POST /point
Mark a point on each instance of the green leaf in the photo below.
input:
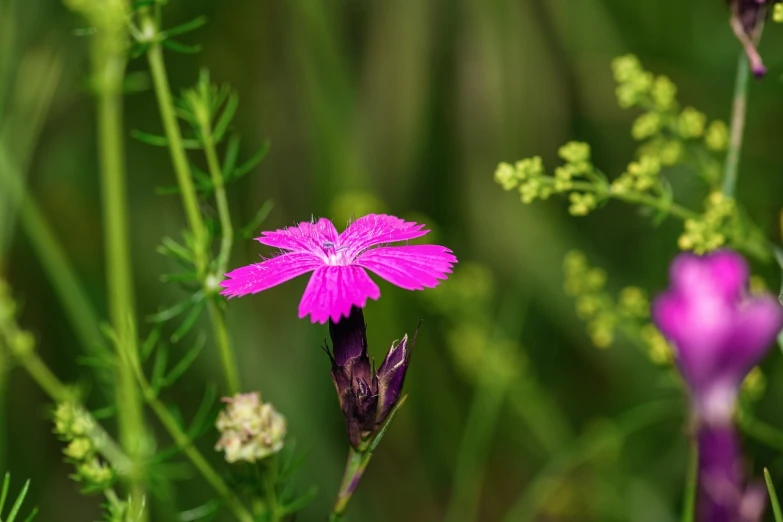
(186, 27)
(231, 155)
(185, 363)
(170, 313)
(300, 503)
(4, 493)
(248, 231)
(169, 246)
(161, 141)
(150, 342)
(188, 323)
(201, 418)
(201, 512)
(226, 117)
(385, 427)
(18, 504)
(32, 515)
(180, 47)
(251, 162)
(159, 369)
(773, 497)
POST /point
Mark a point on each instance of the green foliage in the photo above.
(16, 507)
(670, 137)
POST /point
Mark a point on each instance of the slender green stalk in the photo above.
(190, 201)
(176, 149)
(692, 481)
(109, 61)
(354, 470)
(773, 497)
(634, 197)
(358, 459)
(218, 180)
(216, 314)
(184, 442)
(223, 340)
(738, 112)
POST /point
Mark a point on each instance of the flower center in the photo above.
(335, 256)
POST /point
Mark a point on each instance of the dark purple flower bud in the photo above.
(747, 17)
(391, 376)
(719, 333)
(366, 396)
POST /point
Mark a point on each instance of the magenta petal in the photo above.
(333, 290)
(260, 276)
(410, 267)
(376, 229)
(305, 237)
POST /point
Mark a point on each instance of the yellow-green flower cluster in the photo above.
(634, 84)
(76, 426)
(250, 430)
(527, 176)
(640, 176)
(577, 176)
(663, 128)
(606, 316)
(777, 13)
(709, 231)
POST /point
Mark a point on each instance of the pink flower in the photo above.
(338, 263)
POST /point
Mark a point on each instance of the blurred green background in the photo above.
(403, 106)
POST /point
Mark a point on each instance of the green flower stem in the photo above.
(218, 180)
(738, 112)
(227, 358)
(692, 481)
(176, 149)
(183, 441)
(108, 64)
(358, 459)
(773, 497)
(636, 198)
(354, 470)
(190, 202)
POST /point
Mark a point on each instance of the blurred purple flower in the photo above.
(747, 16)
(719, 333)
(338, 262)
(366, 396)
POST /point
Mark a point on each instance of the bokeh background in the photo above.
(403, 106)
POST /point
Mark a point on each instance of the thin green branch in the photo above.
(190, 201)
(183, 441)
(738, 112)
(108, 63)
(178, 157)
(691, 485)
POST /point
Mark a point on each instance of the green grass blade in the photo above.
(773, 497)
(18, 504)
